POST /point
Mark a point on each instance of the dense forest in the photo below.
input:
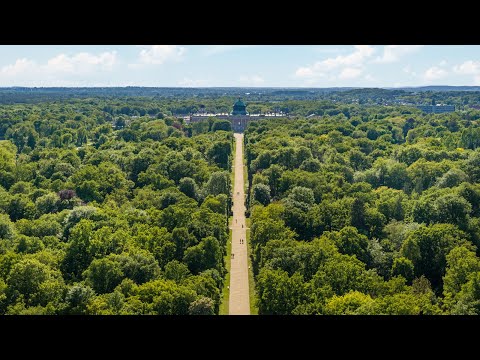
(110, 203)
(103, 215)
(366, 214)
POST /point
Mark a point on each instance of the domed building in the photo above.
(239, 108)
(239, 117)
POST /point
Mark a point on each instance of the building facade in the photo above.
(239, 117)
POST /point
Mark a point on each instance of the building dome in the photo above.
(239, 102)
(239, 108)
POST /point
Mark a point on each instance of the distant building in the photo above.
(436, 109)
(239, 117)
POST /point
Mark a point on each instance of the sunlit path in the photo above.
(239, 303)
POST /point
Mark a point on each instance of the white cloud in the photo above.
(361, 53)
(253, 80)
(159, 54)
(350, 73)
(442, 63)
(345, 63)
(434, 73)
(81, 63)
(78, 64)
(58, 70)
(393, 53)
(20, 66)
(468, 68)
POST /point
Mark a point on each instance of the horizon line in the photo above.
(233, 87)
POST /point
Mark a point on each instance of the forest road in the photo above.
(239, 302)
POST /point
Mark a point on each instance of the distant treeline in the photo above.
(459, 96)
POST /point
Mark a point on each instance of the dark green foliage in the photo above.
(103, 275)
(427, 248)
(349, 241)
(220, 153)
(100, 202)
(116, 205)
(261, 193)
(224, 125)
(206, 255)
(403, 267)
(188, 187)
(391, 191)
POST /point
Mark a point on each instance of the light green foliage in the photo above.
(48, 203)
(472, 166)
(115, 205)
(90, 212)
(217, 204)
(348, 304)
(452, 178)
(462, 263)
(468, 299)
(278, 293)
(176, 271)
(390, 191)
(162, 297)
(202, 306)
(219, 183)
(349, 241)
(35, 282)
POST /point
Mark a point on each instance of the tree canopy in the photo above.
(111, 212)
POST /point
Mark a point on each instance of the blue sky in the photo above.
(240, 65)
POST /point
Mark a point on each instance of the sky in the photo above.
(239, 65)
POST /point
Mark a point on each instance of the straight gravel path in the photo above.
(239, 303)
